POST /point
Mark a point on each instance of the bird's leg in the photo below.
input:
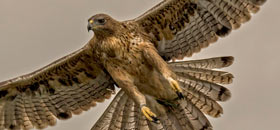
(140, 99)
(154, 59)
(125, 82)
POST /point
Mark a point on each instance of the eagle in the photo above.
(139, 56)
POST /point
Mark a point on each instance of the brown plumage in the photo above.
(134, 55)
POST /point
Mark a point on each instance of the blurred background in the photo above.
(34, 33)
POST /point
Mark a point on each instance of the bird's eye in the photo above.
(90, 21)
(101, 21)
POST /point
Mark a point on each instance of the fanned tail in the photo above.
(124, 114)
(202, 85)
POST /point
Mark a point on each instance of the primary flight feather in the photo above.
(135, 55)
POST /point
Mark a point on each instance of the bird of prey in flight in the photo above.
(138, 56)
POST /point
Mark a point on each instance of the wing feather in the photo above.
(68, 86)
(180, 28)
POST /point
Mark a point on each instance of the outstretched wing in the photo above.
(68, 86)
(180, 28)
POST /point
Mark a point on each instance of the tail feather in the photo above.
(213, 76)
(183, 122)
(200, 83)
(211, 63)
(130, 115)
(116, 121)
(9, 115)
(212, 90)
(187, 112)
(105, 120)
(2, 122)
(169, 122)
(205, 104)
(142, 122)
(184, 116)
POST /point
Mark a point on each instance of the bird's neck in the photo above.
(104, 34)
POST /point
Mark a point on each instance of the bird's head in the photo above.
(102, 24)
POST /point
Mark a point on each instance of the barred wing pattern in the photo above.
(202, 88)
(180, 28)
(68, 86)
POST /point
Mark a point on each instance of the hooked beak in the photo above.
(89, 28)
(90, 25)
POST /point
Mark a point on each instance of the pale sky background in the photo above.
(34, 33)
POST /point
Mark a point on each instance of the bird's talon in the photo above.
(155, 119)
(180, 95)
(167, 104)
(175, 86)
(149, 114)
